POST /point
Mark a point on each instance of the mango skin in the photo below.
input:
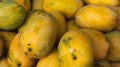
(4, 62)
(71, 25)
(114, 40)
(102, 63)
(92, 16)
(25, 3)
(67, 7)
(38, 36)
(12, 15)
(16, 57)
(75, 50)
(103, 2)
(49, 61)
(99, 42)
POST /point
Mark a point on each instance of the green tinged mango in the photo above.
(12, 15)
(75, 50)
(38, 35)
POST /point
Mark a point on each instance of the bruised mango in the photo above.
(75, 50)
(38, 36)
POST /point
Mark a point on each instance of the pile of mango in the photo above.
(59, 33)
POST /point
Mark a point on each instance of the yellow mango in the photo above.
(99, 42)
(50, 61)
(25, 3)
(67, 7)
(16, 57)
(75, 50)
(97, 17)
(71, 25)
(38, 36)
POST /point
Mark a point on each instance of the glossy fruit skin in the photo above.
(92, 16)
(12, 15)
(39, 34)
(67, 7)
(16, 57)
(49, 61)
(75, 50)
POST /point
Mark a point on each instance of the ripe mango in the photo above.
(75, 50)
(16, 57)
(39, 34)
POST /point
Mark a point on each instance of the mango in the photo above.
(115, 64)
(16, 57)
(98, 17)
(12, 15)
(38, 36)
(75, 50)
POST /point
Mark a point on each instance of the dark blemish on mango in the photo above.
(73, 56)
(67, 40)
(29, 49)
(29, 44)
(26, 53)
(18, 65)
